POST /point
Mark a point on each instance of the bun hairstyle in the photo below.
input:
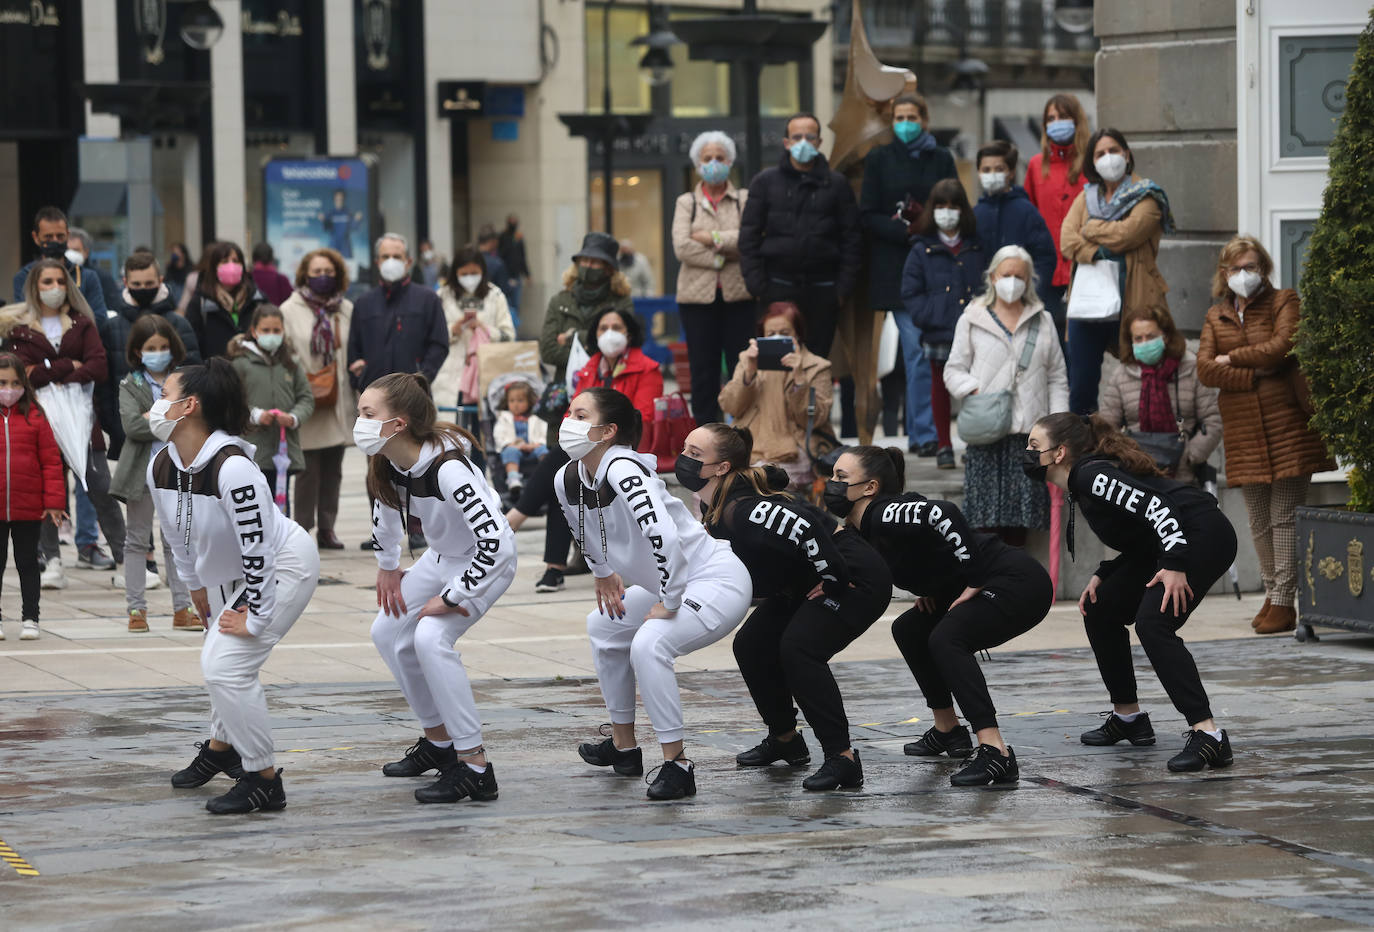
(1094, 436)
(217, 384)
(613, 407)
(407, 395)
(885, 464)
(735, 447)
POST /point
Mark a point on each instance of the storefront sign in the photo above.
(282, 24)
(461, 99)
(33, 13)
(314, 203)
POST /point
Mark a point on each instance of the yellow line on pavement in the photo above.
(21, 867)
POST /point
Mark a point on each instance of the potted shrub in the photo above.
(1335, 347)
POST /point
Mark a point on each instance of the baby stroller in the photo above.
(501, 365)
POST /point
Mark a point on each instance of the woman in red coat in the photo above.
(31, 481)
(619, 363)
(1054, 176)
(54, 334)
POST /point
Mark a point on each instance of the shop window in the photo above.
(637, 209)
(699, 88)
(629, 92)
(780, 90)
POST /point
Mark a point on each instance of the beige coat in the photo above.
(1118, 401)
(697, 277)
(327, 427)
(773, 405)
(493, 316)
(1136, 236)
(983, 359)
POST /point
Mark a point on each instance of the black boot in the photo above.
(1114, 729)
(837, 773)
(955, 743)
(422, 757)
(252, 792)
(987, 766)
(1202, 750)
(672, 782)
(605, 754)
(457, 781)
(770, 750)
(206, 765)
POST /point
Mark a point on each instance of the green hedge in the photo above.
(1336, 337)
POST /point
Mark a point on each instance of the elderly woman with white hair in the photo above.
(716, 309)
(1005, 341)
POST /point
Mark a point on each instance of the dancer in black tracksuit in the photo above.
(974, 592)
(1174, 544)
(820, 590)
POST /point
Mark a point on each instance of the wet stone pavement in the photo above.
(1092, 838)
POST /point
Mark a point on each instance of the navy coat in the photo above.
(1009, 218)
(936, 284)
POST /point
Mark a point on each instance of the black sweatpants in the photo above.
(538, 493)
(1122, 599)
(719, 329)
(784, 648)
(940, 647)
(25, 537)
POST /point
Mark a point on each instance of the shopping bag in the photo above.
(665, 434)
(577, 358)
(1096, 291)
(889, 343)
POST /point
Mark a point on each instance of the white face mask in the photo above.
(612, 343)
(469, 283)
(53, 297)
(367, 434)
(1112, 167)
(269, 342)
(392, 269)
(158, 421)
(993, 182)
(947, 218)
(1009, 288)
(1244, 282)
(75, 256)
(572, 437)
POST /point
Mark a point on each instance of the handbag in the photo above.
(1096, 291)
(665, 434)
(823, 448)
(987, 416)
(553, 403)
(324, 386)
(1165, 447)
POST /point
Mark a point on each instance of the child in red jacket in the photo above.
(31, 486)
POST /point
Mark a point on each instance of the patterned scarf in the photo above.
(322, 339)
(1156, 414)
(1128, 194)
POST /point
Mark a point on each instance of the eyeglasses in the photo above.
(812, 138)
(1252, 267)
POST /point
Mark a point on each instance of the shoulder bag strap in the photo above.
(1027, 351)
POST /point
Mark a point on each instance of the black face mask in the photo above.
(143, 297)
(836, 498)
(688, 472)
(53, 248)
(1035, 470)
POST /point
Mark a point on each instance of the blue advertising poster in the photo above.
(320, 202)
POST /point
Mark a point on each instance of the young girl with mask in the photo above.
(1173, 544)
(154, 350)
(420, 466)
(943, 270)
(251, 571)
(664, 587)
(277, 391)
(33, 489)
(819, 590)
(473, 304)
(975, 593)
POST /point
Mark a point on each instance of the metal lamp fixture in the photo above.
(201, 26)
(1074, 15)
(656, 67)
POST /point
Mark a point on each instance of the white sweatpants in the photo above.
(636, 647)
(422, 652)
(238, 706)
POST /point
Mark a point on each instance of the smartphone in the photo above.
(772, 349)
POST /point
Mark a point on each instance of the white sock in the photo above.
(685, 765)
(1126, 718)
(633, 747)
(1215, 734)
(443, 744)
(476, 768)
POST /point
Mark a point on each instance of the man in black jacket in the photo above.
(398, 326)
(799, 238)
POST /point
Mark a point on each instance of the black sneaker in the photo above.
(206, 765)
(368, 545)
(944, 458)
(459, 781)
(837, 773)
(770, 750)
(551, 581)
(933, 743)
(924, 449)
(421, 758)
(1115, 728)
(251, 793)
(605, 754)
(672, 782)
(987, 766)
(1202, 750)
(91, 557)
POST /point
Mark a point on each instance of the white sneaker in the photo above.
(2, 632)
(30, 632)
(52, 577)
(117, 580)
(151, 580)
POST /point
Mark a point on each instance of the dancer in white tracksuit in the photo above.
(251, 571)
(685, 588)
(420, 467)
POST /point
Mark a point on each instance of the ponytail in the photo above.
(406, 394)
(1093, 435)
(217, 384)
(885, 464)
(735, 446)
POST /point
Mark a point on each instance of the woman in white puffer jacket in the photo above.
(989, 342)
(470, 301)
